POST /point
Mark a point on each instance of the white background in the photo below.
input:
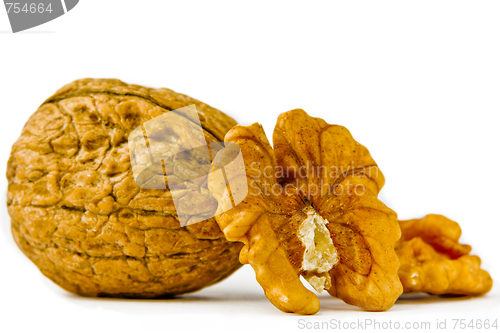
(416, 82)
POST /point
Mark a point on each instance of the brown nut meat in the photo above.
(432, 259)
(311, 210)
(77, 212)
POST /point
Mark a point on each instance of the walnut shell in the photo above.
(77, 212)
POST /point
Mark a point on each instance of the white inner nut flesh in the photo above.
(320, 254)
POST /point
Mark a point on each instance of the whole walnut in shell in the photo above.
(77, 212)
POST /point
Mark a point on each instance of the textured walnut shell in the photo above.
(77, 212)
(432, 259)
(362, 228)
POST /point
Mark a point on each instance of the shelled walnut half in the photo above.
(433, 260)
(311, 211)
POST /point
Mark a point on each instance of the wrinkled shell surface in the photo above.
(77, 212)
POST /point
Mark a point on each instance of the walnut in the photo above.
(77, 212)
(311, 211)
(432, 259)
